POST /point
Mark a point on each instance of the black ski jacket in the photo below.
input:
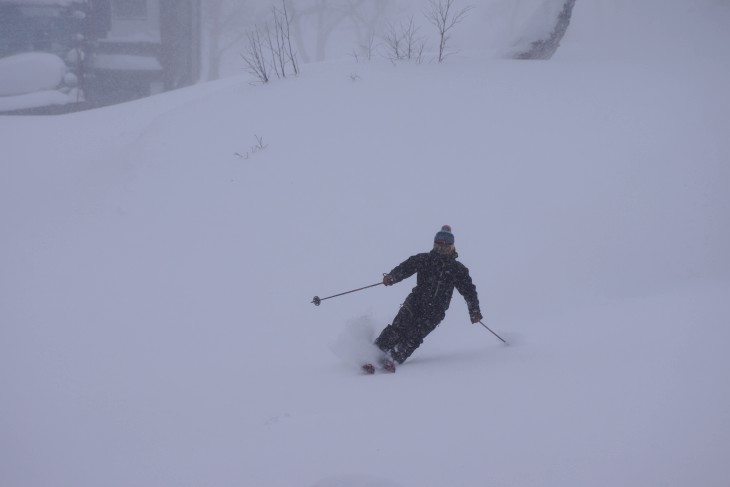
(437, 277)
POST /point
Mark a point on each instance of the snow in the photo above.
(508, 27)
(30, 72)
(34, 100)
(28, 81)
(155, 319)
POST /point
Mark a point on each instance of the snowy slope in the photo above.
(155, 318)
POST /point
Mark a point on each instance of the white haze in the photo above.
(155, 319)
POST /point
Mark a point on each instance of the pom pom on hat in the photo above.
(444, 236)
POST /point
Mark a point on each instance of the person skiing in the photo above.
(438, 273)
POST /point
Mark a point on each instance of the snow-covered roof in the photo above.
(30, 72)
(30, 80)
(34, 100)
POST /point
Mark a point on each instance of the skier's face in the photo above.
(443, 248)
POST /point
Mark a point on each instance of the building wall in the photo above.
(135, 21)
(119, 49)
(150, 46)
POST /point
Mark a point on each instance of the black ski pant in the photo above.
(410, 326)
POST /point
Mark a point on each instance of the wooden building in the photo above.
(116, 50)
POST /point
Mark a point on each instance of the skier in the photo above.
(438, 273)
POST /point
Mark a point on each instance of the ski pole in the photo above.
(485, 326)
(317, 300)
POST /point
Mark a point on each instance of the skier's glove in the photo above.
(388, 280)
(475, 316)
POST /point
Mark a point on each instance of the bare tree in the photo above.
(412, 43)
(254, 56)
(365, 23)
(285, 23)
(367, 50)
(271, 50)
(442, 15)
(324, 16)
(310, 28)
(368, 47)
(280, 46)
(316, 24)
(402, 41)
(278, 60)
(392, 39)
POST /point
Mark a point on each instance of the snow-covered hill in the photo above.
(155, 319)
